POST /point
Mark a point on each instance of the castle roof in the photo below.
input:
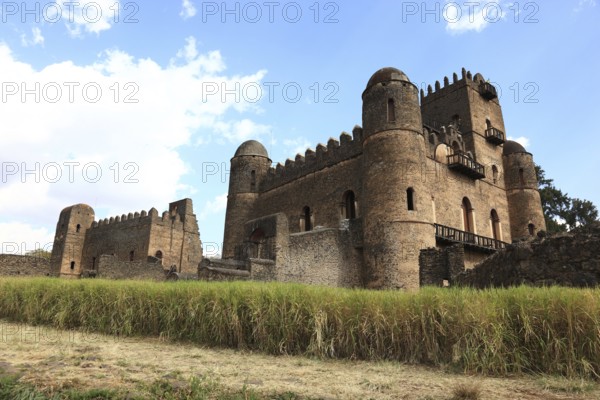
(511, 147)
(387, 74)
(80, 206)
(251, 148)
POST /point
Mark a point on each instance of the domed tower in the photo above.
(73, 223)
(249, 166)
(398, 216)
(524, 202)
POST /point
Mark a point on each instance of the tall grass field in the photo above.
(500, 331)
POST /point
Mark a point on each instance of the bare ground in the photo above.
(51, 359)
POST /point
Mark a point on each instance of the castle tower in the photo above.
(398, 216)
(190, 253)
(471, 104)
(66, 259)
(524, 202)
(249, 166)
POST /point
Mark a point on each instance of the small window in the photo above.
(158, 255)
(253, 180)
(93, 262)
(488, 124)
(467, 210)
(410, 199)
(521, 177)
(306, 216)
(349, 205)
(531, 228)
(495, 224)
(495, 174)
(391, 111)
(78, 228)
(72, 265)
(131, 255)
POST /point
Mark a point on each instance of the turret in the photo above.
(397, 204)
(249, 166)
(524, 202)
(66, 259)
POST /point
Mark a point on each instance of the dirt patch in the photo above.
(52, 359)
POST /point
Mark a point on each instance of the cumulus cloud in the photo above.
(472, 16)
(91, 16)
(215, 206)
(188, 10)
(108, 133)
(36, 38)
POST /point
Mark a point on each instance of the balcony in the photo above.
(460, 162)
(487, 91)
(494, 136)
(445, 234)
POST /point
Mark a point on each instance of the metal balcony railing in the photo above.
(465, 165)
(494, 135)
(471, 240)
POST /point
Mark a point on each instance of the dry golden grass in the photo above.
(53, 359)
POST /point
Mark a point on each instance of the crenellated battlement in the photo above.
(348, 146)
(438, 90)
(138, 218)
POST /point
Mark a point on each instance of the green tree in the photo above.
(561, 212)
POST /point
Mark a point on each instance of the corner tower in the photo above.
(397, 217)
(249, 166)
(524, 202)
(69, 240)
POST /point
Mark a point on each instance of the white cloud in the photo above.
(584, 4)
(296, 146)
(240, 131)
(215, 206)
(188, 10)
(19, 238)
(471, 16)
(36, 38)
(93, 16)
(522, 140)
(118, 154)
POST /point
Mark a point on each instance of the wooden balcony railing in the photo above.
(495, 136)
(487, 91)
(471, 240)
(465, 165)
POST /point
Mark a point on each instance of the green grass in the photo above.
(499, 331)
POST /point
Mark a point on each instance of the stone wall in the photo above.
(438, 267)
(15, 265)
(110, 267)
(571, 259)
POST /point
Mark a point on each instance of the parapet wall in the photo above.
(137, 218)
(571, 259)
(17, 265)
(109, 267)
(324, 156)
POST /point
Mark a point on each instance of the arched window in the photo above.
(410, 199)
(349, 211)
(531, 228)
(495, 174)
(78, 228)
(467, 211)
(257, 242)
(488, 124)
(456, 121)
(306, 217)
(495, 220)
(131, 255)
(521, 177)
(72, 265)
(158, 254)
(252, 180)
(391, 110)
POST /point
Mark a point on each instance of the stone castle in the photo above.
(136, 245)
(426, 170)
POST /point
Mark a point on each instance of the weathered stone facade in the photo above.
(569, 259)
(170, 241)
(423, 171)
(18, 265)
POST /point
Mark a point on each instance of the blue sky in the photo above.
(129, 105)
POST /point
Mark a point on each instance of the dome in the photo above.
(511, 147)
(387, 75)
(251, 148)
(80, 207)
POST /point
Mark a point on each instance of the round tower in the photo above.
(524, 202)
(249, 166)
(398, 216)
(73, 223)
